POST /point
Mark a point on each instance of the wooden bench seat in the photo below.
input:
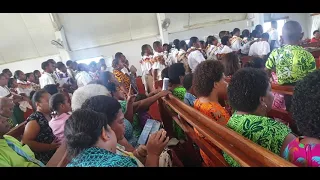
(17, 132)
(244, 151)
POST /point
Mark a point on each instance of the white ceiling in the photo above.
(180, 21)
(25, 35)
(88, 30)
(28, 35)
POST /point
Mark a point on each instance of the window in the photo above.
(267, 26)
(89, 60)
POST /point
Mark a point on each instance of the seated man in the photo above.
(260, 48)
(12, 152)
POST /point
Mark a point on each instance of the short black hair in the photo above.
(265, 36)
(55, 101)
(115, 62)
(314, 32)
(92, 64)
(246, 33)
(176, 43)
(202, 42)
(193, 40)
(109, 106)
(222, 33)
(44, 65)
(60, 65)
(165, 73)
(254, 34)
(37, 96)
(83, 129)
(31, 94)
(28, 75)
(156, 44)
(235, 30)
(36, 71)
(306, 103)
(17, 74)
(69, 63)
(187, 81)
(225, 40)
(118, 55)
(231, 63)
(112, 88)
(10, 82)
(205, 75)
(246, 87)
(6, 70)
(256, 62)
(182, 44)
(144, 48)
(51, 61)
(210, 40)
(165, 44)
(51, 89)
(175, 71)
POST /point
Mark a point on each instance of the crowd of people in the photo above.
(100, 115)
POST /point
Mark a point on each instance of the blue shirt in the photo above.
(189, 99)
(97, 157)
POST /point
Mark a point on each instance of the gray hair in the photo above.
(86, 92)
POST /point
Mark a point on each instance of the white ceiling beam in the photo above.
(163, 33)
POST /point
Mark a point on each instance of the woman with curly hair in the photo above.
(249, 93)
(305, 151)
(209, 83)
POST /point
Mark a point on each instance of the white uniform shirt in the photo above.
(235, 43)
(273, 36)
(46, 79)
(225, 50)
(146, 65)
(26, 91)
(4, 91)
(195, 58)
(83, 78)
(157, 65)
(260, 48)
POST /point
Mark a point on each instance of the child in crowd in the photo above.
(60, 107)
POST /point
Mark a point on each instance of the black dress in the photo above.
(45, 136)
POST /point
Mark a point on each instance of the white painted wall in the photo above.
(201, 33)
(29, 65)
(131, 49)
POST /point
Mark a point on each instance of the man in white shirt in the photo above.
(195, 56)
(260, 48)
(47, 76)
(236, 40)
(274, 37)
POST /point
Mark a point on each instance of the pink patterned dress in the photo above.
(278, 102)
(303, 155)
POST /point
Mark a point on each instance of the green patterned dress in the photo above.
(179, 92)
(291, 62)
(264, 131)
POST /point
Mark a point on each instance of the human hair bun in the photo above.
(80, 140)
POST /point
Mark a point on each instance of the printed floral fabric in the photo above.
(264, 131)
(303, 155)
(291, 62)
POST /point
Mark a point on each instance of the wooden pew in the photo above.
(140, 85)
(244, 151)
(318, 63)
(245, 59)
(311, 44)
(17, 132)
(59, 158)
(281, 89)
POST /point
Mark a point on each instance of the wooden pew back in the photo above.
(244, 151)
(17, 132)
